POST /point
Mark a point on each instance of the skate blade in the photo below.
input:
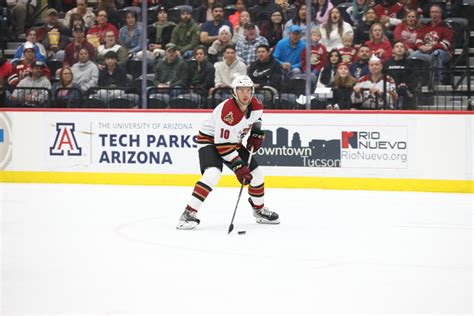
(266, 221)
(186, 225)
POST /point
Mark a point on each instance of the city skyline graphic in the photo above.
(286, 152)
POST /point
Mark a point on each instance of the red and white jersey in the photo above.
(227, 126)
(439, 36)
(371, 101)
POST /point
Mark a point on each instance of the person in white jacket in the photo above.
(86, 73)
(227, 69)
(332, 31)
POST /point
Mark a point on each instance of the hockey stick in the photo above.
(231, 226)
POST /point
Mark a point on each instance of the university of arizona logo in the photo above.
(229, 118)
(65, 141)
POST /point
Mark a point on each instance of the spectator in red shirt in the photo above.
(102, 26)
(318, 55)
(71, 55)
(407, 31)
(379, 45)
(5, 70)
(388, 11)
(434, 42)
(239, 7)
(23, 68)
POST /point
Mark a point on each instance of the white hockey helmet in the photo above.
(242, 81)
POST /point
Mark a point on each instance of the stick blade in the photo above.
(231, 228)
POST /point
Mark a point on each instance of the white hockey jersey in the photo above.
(227, 126)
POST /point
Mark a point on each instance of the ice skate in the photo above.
(264, 215)
(188, 220)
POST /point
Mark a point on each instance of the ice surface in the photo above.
(114, 250)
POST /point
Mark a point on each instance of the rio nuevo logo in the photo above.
(386, 147)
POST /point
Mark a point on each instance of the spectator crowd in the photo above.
(360, 51)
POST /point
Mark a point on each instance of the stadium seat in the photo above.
(122, 14)
(185, 101)
(154, 103)
(229, 10)
(421, 72)
(461, 31)
(134, 67)
(120, 103)
(284, 101)
(295, 85)
(95, 103)
(54, 65)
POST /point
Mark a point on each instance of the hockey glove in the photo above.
(242, 171)
(255, 139)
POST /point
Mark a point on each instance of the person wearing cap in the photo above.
(71, 52)
(247, 47)
(98, 31)
(31, 37)
(81, 9)
(38, 86)
(22, 69)
(158, 37)
(210, 29)
(239, 30)
(172, 72)
(186, 34)
(288, 51)
(376, 90)
(216, 50)
(53, 35)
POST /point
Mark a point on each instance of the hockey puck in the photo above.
(242, 232)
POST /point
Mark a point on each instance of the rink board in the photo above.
(403, 151)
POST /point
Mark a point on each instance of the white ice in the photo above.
(114, 250)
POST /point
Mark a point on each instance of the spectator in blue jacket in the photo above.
(288, 51)
(40, 51)
(131, 34)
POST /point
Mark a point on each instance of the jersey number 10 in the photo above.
(225, 133)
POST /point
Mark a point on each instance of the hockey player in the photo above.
(220, 143)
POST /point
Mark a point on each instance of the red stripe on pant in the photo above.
(258, 191)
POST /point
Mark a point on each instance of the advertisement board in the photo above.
(311, 145)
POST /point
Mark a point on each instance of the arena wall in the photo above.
(403, 151)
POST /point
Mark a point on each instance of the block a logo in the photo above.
(65, 141)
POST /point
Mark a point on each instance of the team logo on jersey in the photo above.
(65, 141)
(229, 118)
